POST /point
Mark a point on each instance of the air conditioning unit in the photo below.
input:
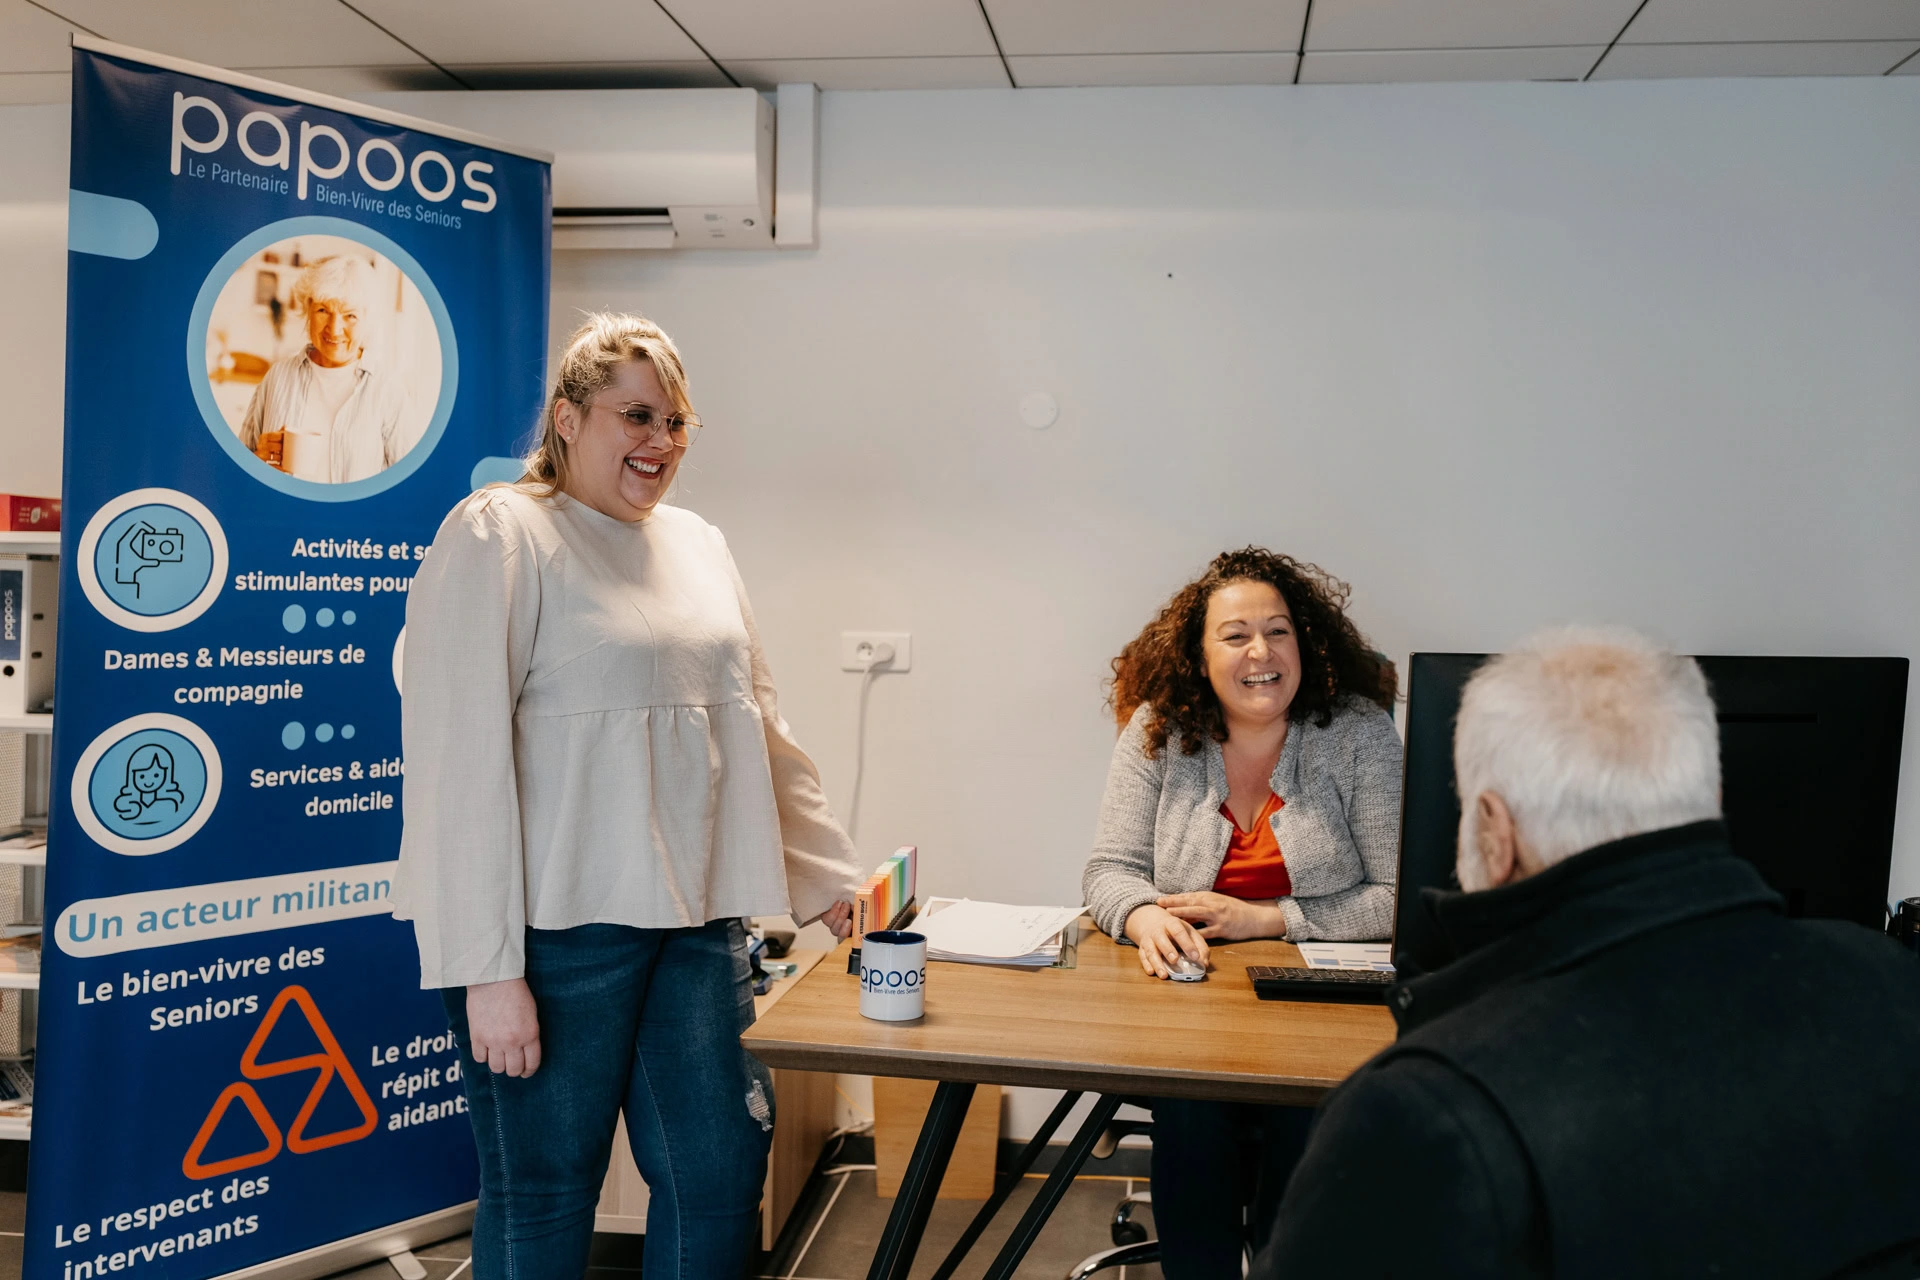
(654, 168)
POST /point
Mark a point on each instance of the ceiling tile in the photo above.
(1797, 58)
(33, 40)
(242, 34)
(1153, 69)
(1147, 26)
(498, 32)
(768, 29)
(1728, 21)
(873, 73)
(1380, 66)
(345, 82)
(701, 74)
(22, 87)
(1464, 24)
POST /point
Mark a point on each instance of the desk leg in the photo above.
(1055, 1187)
(913, 1205)
(1021, 1164)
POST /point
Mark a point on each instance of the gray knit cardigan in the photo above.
(1161, 830)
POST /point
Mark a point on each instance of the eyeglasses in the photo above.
(643, 422)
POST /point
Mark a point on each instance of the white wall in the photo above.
(1499, 355)
(33, 296)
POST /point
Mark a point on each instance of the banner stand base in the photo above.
(369, 1246)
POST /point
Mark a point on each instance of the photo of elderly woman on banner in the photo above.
(324, 359)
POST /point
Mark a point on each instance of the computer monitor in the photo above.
(1810, 774)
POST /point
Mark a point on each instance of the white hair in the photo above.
(1589, 735)
(341, 278)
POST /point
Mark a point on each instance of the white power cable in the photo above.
(880, 657)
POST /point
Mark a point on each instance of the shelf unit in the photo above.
(24, 543)
(29, 542)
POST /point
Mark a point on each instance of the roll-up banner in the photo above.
(298, 332)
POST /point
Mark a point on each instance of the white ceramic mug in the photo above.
(303, 454)
(893, 975)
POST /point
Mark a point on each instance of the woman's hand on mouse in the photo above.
(1163, 938)
(504, 1026)
(1226, 919)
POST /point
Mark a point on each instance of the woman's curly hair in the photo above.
(1164, 665)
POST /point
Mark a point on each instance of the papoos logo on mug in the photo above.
(893, 975)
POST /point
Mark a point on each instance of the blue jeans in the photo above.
(645, 1021)
(1219, 1169)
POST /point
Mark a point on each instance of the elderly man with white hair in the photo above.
(1633, 1064)
(328, 413)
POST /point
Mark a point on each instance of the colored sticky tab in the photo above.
(109, 226)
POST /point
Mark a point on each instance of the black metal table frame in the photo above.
(913, 1205)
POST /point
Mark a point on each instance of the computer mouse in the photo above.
(1185, 970)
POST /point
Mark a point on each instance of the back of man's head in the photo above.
(1585, 736)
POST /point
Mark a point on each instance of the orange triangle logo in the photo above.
(330, 1062)
(269, 1131)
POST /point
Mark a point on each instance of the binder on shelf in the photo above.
(29, 600)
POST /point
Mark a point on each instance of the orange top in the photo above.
(1254, 867)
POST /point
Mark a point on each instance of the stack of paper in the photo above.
(1377, 956)
(993, 932)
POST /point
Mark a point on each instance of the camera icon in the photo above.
(143, 547)
(160, 546)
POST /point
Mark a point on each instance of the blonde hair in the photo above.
(594, 354)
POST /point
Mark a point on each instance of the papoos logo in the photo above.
(430, 172)
(330, 1062)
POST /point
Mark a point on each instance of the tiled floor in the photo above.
(831, 1236)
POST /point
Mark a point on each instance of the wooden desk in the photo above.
(1103, 1026)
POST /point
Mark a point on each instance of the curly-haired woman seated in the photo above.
(1254, 793)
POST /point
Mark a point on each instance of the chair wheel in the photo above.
(1128, 1233)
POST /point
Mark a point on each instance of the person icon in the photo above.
(150, 796)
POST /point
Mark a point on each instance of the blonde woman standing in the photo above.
(599, 785)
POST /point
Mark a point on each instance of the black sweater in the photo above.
(1636, 1066)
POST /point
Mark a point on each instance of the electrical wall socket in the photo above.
(856, 650)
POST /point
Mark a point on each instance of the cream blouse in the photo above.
(591, 736)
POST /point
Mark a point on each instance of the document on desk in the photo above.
(1348, 955)
(993, 932)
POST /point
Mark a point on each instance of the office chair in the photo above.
(1132, 1245)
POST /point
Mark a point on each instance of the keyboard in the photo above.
(1343, 986)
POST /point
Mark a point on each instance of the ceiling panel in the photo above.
(1379, 66)
(1798, 58)
(242, 34)
(32, 39)
(22, 87)
(593, 75)
(1464, 24)
(766, 29)
(1728, 21)
(514, 31)
(1147, 26)
(1053, 70)
(873, 73)
(345, 82)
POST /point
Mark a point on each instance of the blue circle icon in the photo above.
(293, 618)
(347, 617)
(323, 733)
(153, 560)
(293, 735)
(148, 784)
(346, 731)
(324, 617)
